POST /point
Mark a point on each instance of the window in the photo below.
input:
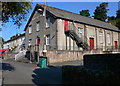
(30, 42)
(47, 22)
(38, 26)
(80, 31)
(100, 37)
(38, 40)
(48, 39)
(30, 29)
(108, 37)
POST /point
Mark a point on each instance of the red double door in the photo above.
(91, 43)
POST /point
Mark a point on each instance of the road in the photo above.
(26, 73)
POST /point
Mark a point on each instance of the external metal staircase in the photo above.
(74, 36)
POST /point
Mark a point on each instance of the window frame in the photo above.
(30, 29)
(100, 37)
(80, 32)
(30, 42)
(38, 26)
(48, 23)
(48, 38)
(108, 38)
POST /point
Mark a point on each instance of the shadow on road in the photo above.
(50, 75)
(7, 66)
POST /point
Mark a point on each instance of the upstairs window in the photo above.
(38, 26)
(100, 37)
(47, 22)
(80, 32)
(48, 39)
(108, 38)
(30, 29)
(30, 42)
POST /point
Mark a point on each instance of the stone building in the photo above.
(67, 31)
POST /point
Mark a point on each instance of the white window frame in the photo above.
(48, 21)
(48, 39)
(80, 32)
(30, 29)
(100, 37)
(38, 26)
(30, 42)
(108, 38)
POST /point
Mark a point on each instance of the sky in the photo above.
(10, 29)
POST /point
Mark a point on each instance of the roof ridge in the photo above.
(72, 13)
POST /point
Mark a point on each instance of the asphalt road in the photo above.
(26, 73)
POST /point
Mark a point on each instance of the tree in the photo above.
(115, 20)
(15, 12)
(85, 13)
(111, 18)
(101, 12)
(118, 24)
(118, 14)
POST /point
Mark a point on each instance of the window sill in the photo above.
(38, 31)
(47, 27)
(48, 44)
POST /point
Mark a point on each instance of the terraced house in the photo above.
(67, 31)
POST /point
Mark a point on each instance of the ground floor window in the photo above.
(48, 39)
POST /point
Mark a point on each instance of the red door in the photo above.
(66, 25)
(91, 43)
(115, 44)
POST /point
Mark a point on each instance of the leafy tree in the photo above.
(101, 12)
(15, 12)
(115, 20)
(85, 13)
(118, 23)
(118, 14)
(111, 18)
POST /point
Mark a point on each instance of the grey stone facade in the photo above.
(58, 40)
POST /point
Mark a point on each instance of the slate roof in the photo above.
(59, 13)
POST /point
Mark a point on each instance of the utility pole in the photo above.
(44, 15)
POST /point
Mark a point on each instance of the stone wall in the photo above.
(102, 61)
(64, 55)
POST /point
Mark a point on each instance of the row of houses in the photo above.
(67, 31)
(14, 42)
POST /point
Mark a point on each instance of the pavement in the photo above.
(27, 73)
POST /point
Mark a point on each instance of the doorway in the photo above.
(91, 43)
(115, 44)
